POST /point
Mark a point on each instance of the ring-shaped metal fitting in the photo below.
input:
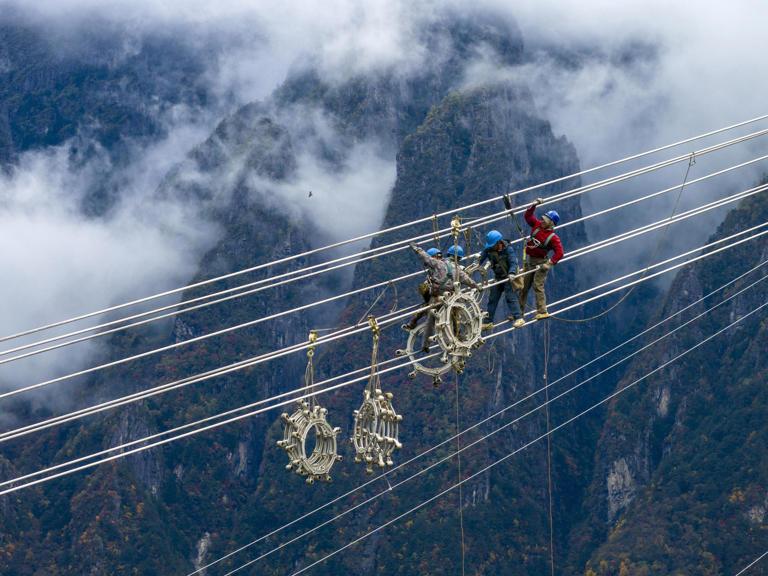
(376, 430)
(440, 366)
(459, 324)
(317, 465)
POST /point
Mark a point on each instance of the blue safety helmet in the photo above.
(458, 250)
(493, 237)
(554, 216)
(434, 252)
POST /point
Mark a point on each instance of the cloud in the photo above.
(345, 202)
(58, 263)
(619, 78)
(615, 77)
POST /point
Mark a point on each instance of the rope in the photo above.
(367, 312)
(549, 450)
(458, 464)
(374, 379)
(309, 373)
(691, 162)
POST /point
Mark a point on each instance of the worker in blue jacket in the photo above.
(503, 261)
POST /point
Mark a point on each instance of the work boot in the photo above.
(542, 316)
(516, 322)
(408, 326)
(487, 326)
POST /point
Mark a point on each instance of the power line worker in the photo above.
(443, 275)
(455, 252)
(425, 291)
(503, 261)
(541, 241)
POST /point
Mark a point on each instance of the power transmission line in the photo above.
(528, 444)
(576, 253)
(493, 432)
(386, 320)
(233, 419)
(427, 219)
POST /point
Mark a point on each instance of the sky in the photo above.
(615, 78)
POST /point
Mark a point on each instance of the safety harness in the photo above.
(500, 260)
(534, 243)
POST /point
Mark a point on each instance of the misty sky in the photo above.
(615, 78)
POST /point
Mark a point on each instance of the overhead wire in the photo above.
(751, 564)
(401, 226)
(647, 330)
(650, 228)
(485, 437)
(624, 296)
(386, 320)
(527, 444)
(578, 252)
(124, 453)
(248, 289)
(302, 346)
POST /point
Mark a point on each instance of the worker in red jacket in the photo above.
(540, 243)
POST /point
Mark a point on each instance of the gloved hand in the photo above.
(475, 286)
(539, 200)
(412, 245)
(546, 266)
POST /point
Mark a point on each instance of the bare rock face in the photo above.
(147, 464)
(201, 550)
(620, 487)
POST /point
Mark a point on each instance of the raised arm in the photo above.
(423, 256)
(532, 221)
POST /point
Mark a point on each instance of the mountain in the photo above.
(679, 484)
(667, 478)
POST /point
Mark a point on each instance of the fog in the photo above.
(614, 78)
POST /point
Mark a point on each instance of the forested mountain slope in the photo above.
(668, 478)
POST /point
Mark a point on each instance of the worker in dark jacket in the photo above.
(443, 274)
(503, 261)
(540, 243)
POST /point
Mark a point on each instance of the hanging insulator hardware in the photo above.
(309, 416)
(377, 424)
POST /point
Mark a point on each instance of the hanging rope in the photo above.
(436, 231)
(492, 355)
(508, 206)
(549, 450)
(458, 460)
(366, 314)
(375, 379)
(468, 238)
(691, 162)
(309, 372)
